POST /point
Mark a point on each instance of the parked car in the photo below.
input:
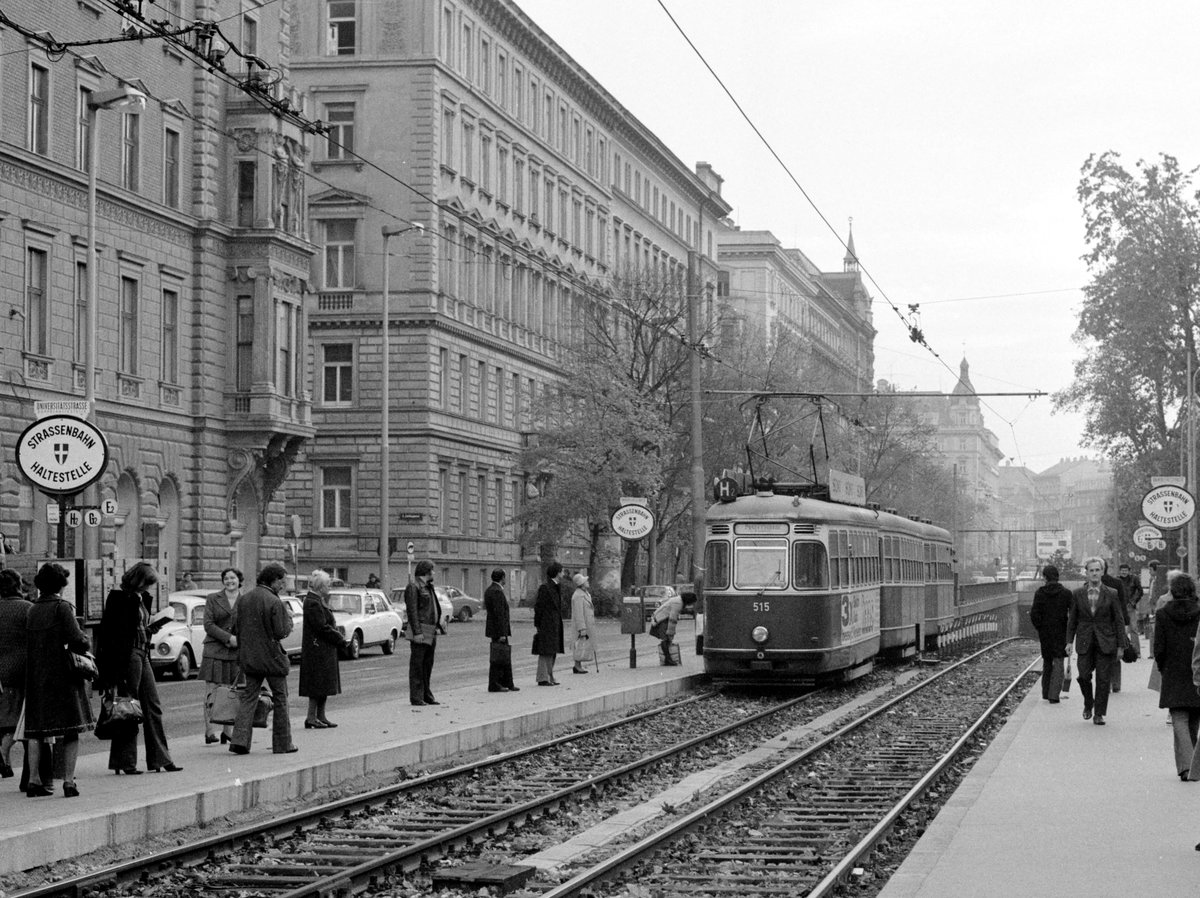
(462, 606)
(445, 608)
(297, 584)
(365, 617)
(178, 646)
(653, 596)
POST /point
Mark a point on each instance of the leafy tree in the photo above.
(1136, 326)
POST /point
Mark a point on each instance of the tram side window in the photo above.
(716, 565)
(760, 564)
(810, 566)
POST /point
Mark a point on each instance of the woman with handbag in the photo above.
(663, 623)
(125, 640)
(319, 648)
(218, 666)
(14, 609)
(583, 620)
(57, 709)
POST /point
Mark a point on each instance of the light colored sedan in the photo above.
(178, 646)
(365, 617)
(462, 606)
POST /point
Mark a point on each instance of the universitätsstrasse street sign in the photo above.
(62, 454)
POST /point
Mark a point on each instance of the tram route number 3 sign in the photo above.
(61, 454)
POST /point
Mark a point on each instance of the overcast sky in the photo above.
(953, 133)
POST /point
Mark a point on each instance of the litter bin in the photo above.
(633, 622)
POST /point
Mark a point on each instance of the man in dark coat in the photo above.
(421, 604)
(498, 630)
(260, 621)
(1123, 599)
(1051, 608)
(1098, 629)
(548, 622)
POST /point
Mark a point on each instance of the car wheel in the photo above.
(355, 646)
(389, 644)
(464, 614)
(183, 666)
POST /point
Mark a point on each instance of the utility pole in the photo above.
(693, 312)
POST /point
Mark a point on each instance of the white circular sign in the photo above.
(62, 454)
(632, 521)
(92, 517)
(74, 517)
(1168, 507)
(1145, 535)
(108, 507)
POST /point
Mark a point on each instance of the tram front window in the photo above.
(810, 567)
(760, 564)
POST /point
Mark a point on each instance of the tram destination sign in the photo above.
(61, 454)
(1168, 507)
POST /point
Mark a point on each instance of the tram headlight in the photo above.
(759, 635)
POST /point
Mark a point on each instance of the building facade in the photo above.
(202, 264)
(534, 189)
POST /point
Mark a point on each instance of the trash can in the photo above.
(633, 615)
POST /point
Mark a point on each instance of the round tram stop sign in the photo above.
(62, 454)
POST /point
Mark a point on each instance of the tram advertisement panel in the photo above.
(860, 615)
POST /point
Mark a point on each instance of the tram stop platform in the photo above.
(375, 738)
(1059, 807)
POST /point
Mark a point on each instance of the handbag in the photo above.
(658, 629)
(262, 710)
(119, 714)
(583, 650)
(223, 704)
(500, 653)
(83, 664)
(1066, 686)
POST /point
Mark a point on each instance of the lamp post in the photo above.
(124, 99)
(385, 460)
(1190, 558)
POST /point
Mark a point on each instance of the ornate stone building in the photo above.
(203, 260)
(533, 188)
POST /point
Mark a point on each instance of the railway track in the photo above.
(357, 845)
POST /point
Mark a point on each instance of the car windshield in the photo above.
(179, 611)
(344, 601)
(656, 592)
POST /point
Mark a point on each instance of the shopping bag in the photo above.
(1066, 687)
(263, 710)
(658, 629)
(223, 704)
(583, 651)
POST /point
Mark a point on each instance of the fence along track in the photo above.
(811, 839)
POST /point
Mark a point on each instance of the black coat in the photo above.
(1051, 607)
(56, 702)
(260, 620)
(1174, 638)
(14, 610)
(548, 620)
(495, 603)
(123, 630)
(319, 673)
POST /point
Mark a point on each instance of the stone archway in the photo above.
(127, 547)
(169, 562)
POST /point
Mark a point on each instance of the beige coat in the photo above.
(583, 622)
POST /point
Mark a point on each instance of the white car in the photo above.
(365, 617)
(178, 646)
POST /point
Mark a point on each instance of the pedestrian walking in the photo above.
(218, 666)
(57, 709)
(1174, 642)
(14, 609)
(548, 641)
(583, 622)
(1097, 628)
(126, 635)
(1122, 601)
(260, 621)
(424, 622)
(320, 645)
(498, 629)
(1049, 614)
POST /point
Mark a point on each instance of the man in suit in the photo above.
(1097, 625)
(498, 630)
(261, 620)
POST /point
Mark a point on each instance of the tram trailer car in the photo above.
(799, 590)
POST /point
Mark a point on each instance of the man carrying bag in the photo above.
(498, 630)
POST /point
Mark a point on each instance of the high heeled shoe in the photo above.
(128, 771)
(37, 791)
(70, 790)
(169, 768)
(313, 725)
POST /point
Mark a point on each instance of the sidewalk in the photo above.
(1059, 807)
(371, 738)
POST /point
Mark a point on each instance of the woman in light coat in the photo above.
(218, 666)
(583, 618)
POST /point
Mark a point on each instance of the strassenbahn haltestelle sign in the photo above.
(62, 454)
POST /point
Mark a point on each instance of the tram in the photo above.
(799, 589)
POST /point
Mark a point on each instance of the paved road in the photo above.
(462, 659)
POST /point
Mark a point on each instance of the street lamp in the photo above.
(133, 101)
(388, 231)
(1190, 557)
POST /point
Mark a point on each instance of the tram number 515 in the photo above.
(760, 606)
